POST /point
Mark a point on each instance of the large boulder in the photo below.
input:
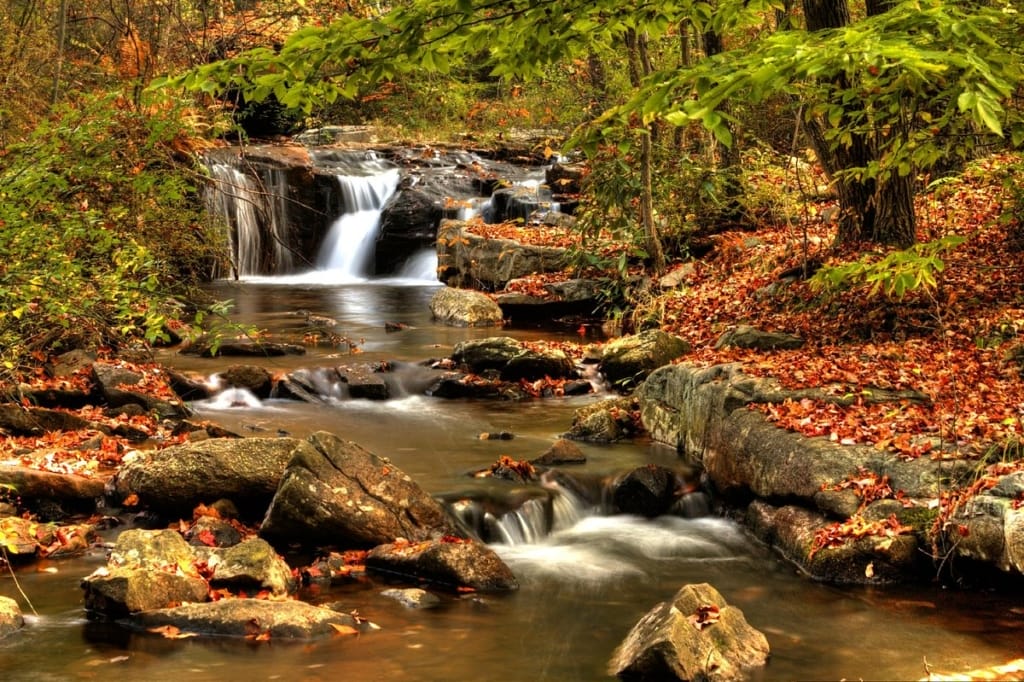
(334, 492)
(450, 562)
(627, 361)
(174, 480)
(695, 636)
(465, 308)
(468, 260)
(408, 223)
(253, 618)
(646, 491)
(511, 359)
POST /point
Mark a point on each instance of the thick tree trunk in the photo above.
(869, 209)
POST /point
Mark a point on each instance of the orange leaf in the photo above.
(344, 629)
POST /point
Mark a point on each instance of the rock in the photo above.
(252, 565)
(872, 559)
(565, 178)
(23, 538)
(413, 598)
(646, 491)
(458, 385)
(364, 381)
(115, 383)
(465, 308)
(606, 421)
(147, 569)
(209, 531)
(468, 260)
(252, 378)
(209, 347)
(174, 480)
(73, 492)
(746, 336)
(334, 492)
(186, 387)
(479, 355)
(408, 224)
(562, 451)
(677, 276)
(278, 619)
(11, 619)
(18, 420)
(695, 636)
(534, 364)
(627, 361)
(451, 562)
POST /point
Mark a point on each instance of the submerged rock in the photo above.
(695, 636)
(254, 618)
(627, 361)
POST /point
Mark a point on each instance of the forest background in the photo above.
(843, 171)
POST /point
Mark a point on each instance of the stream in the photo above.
(583, 585)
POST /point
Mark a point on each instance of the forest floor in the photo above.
(960, 343)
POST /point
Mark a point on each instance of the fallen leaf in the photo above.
(344, 629)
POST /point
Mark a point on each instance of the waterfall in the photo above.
(348, 248)
(235, 199)
(536, 518)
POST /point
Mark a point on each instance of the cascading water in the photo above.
(348, 247)
(235, 198)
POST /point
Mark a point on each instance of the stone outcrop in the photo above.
(465, 308)
(449, 562)
(174, 480)
(336, 493)
(606, 421)
(746, 336)
(468, 260)
(251, 566)
(511, 359)
(705, 413)
(695, 636)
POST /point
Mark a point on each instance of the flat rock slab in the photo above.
(286, 619)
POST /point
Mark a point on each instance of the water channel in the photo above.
(583, 586)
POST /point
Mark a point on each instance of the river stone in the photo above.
(646, 491)
(175, 480)
(451, 562)
(334, 492)
(364, 381)
(18, 420)
(479, 355)
(465, 308)
(606, 421)
(23, 538)
(252, 378)
(533, 364)
(280, 619)
(116, 383)
(1013, 531)
(562, 451)
(209, 531)
(147, 569)
(413, 598)
(11, 619)
(252, 565)
(746, 336)
(625, 362)
(670, 643)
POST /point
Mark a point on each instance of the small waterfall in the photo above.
(348, 247)
(537, 518)
(235, 198)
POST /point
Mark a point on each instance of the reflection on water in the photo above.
(584, 585)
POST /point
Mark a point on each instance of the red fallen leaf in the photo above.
(171, 632)
(206, 537)
(465, 589)
(705, 615)
(344, 629)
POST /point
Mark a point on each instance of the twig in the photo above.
(10, 569)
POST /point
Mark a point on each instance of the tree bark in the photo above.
(879, 210)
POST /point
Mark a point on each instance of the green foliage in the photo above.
(899, 273)
(98, 226)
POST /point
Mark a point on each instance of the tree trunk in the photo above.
(639, 66)
(872, 210)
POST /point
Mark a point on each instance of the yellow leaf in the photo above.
(344, 629)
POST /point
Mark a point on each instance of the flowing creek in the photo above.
(583, 585)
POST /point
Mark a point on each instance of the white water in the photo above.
(348, 247)
(236, 200)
